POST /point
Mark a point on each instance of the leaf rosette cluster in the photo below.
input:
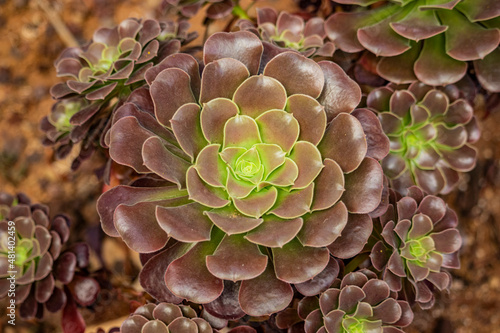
(360, 302)
(431, 132)
(430, 41)
(101, 75)
(271, 168)
(170, 318)
(290, 31)
(45, 275)
(215, 9)
(419, 240)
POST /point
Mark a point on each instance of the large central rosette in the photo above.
(270, 169)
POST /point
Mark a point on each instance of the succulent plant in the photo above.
(170, 318)
(358, 303)
(101, 75)
(216, 9)
(426, 40)
(418, 241)
(430, 131)
(268, 163)
(290, 31)
(31, 250)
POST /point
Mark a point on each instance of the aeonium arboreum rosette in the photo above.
(49, 275)
(171, 318)
(290, 31)
(431, 132)
(431, 41)
(101, 75)
(270, 168)
(418, 240)
(356, 304)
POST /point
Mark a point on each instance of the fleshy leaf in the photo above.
(295, 263)
(236, 259)
(265, 294)
(324, 227)
(186, 223)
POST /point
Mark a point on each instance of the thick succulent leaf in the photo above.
(447, 241)
(479, 10)
(419, 24)
(258, 94)
(388, 311)
(434, 67)
(241, 131)
(257, 203)
(214, 116)
(221, 78)
(200, 192)
(488, 71)
(293, 204)
(186, 223)
(328, 186)
(126, 140)
(324, 227)
(236, 259)
(452, 137)
(431, 181)
(349, 298)
(340, 93)
(344, 134)
(342, 28)
(459, 112)
(138, 227)
(353, 238)
(227, 306)
(320, 282)
(364, 187)
(314, 322)
(310, 115)
(231, 221)
(465, 40)
(377, 141)
(179, 325)
(242, 45)
(271, 157)
(170, 82)
(278, 127)
(127, 195)
(275, 232)
(376, 291)
(163, 162)
(284, 175)
(462, 159)
(210, 166)
(44, 289)
(421, 226)
(399, 69)
(295, 263)
(382, 40)
(153, 272)
(302, 75)
(189, 278)
(308, 160)
(186, 126)
(265, 294)
(182, 61)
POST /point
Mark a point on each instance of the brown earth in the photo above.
(29, 44)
